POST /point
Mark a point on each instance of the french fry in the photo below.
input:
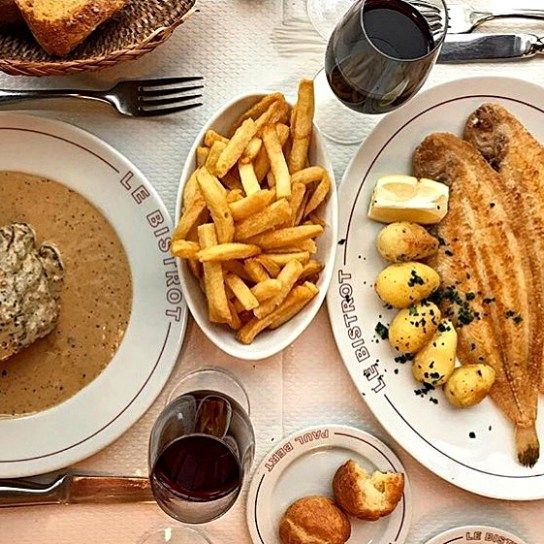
(301, 130)
(218, 307)
(231, 180)
(242, 292)
(308, 175)
(235, 323)
(311, 268)
(216, 201)
(271, 180)
(298, 190)
(262, 163)
(250, 205)
(283, 258)
(317, 220)
(195, 267)
(288, 277)
(255, 270)
(201, 155)
(234, 196)
(211, 137)
(252, 328)
(213, 156)
(277, 161)
(277, 112)
(249, 180)
(269, 265)
(191, 187)
(266, 289)
(227, 251)
(236, 267)
(302, 207)
(305, 245)
(319, 195)
(286, 237)
(259, 107)
(251, 151)
(184, 249)
(277, 213)
(236, 146)
(294, 303)
(190, 216)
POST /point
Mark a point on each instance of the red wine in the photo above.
(198, 468)
(379, 55)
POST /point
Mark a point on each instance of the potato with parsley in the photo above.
(404, 284)
(401, 242)
(435, 363)
(414, 327)
(469, 385)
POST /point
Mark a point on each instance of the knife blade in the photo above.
(75, 489)
(489, 47)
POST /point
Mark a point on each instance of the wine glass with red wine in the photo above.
(378, 57)
(201, 447)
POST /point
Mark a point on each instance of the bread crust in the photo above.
(355, 491)
(314, 520)
(60, 36)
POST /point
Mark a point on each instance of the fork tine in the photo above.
(169, 91)
(162, 82)
(167, 101)
(167, 111)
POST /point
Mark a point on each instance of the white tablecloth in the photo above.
(230, 43)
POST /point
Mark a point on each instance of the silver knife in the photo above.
(75, 489)
(490, 47)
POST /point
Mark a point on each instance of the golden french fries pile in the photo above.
(250, 216)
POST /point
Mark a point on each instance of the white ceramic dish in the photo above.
(304, 464)
(115, 400)
(473, 449)
(267, 343)
(475, 534)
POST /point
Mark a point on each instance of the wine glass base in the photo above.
(174, 535)
(334, 120)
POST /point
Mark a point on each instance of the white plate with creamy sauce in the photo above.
(122, 316)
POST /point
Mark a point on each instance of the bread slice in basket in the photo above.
(61, 25)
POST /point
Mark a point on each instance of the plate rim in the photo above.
(454, 532)
(112, 430)
(254, 485)
(420, 452)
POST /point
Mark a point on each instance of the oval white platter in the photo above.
(475, 534)
(473, 449)
(304, 464)
(119, 396)
(269, 342)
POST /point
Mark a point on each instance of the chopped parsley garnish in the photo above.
(415, 279)
(382, 331)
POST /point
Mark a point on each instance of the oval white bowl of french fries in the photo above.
(257, 224)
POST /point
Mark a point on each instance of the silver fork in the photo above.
(137, 98)
(463, 19)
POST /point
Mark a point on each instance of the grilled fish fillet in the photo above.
(519, 159)
(487, 279)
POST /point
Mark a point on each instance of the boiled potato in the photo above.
(404, 284)
(435, 363)
(469, 385)
(414, 327)
(400, 242)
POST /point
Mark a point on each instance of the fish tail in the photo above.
(527, 445)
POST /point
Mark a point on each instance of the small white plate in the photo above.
(304, 464)
(475, 534)
(119, 396)
(472, 449)
(267, 343)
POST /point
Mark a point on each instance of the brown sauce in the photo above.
(96, 298)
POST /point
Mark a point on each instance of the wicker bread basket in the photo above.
(140, 27)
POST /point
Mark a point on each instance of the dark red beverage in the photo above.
(379, 55)
(197, 468)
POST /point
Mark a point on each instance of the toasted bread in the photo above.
(61, 25)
